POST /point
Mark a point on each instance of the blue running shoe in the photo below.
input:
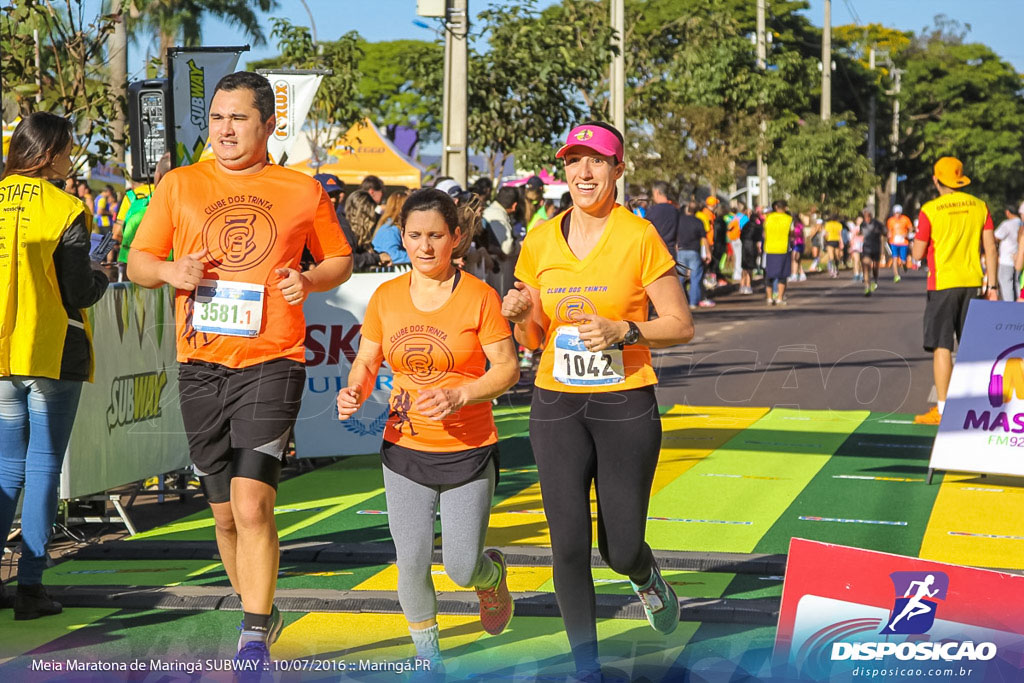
(252, 662)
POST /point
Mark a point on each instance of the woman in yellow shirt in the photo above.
(585, 280)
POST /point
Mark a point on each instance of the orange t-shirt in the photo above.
(609, 282)
(437, 349)
(251, 225)
(899, 227)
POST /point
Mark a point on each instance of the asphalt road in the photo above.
(830, 348)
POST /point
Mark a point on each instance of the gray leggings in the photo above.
(465, 512)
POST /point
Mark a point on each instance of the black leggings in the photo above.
(613, 439)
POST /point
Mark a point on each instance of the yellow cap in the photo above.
(950, 172)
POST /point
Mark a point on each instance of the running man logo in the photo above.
(135, 398)
(917, 596)
(282, 102)
(584, 135)
(197, 94)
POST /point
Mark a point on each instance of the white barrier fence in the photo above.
(129, 425)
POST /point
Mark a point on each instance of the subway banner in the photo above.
(128, 425)
(982, 427)
(857, 615)
(333, 321)
(294, 90)
(193, 74)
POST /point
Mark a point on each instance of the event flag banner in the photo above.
(333, 321)
(294, 90)
(129, 424)
(194, 73)
(849, 614)
(982, 427)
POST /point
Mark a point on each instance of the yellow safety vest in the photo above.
(777, 226)
(33, 323)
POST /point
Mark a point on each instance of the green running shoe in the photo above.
(660, 602)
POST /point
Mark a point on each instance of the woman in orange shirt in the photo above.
(586, 279)
(438, 328)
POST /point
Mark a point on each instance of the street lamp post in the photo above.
(454, 154)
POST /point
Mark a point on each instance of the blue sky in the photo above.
(997, 23)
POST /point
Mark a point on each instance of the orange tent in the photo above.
(363, 151)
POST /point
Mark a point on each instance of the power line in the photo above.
(853, 12)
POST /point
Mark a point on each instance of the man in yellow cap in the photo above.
(949, 230)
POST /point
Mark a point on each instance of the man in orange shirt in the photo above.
(950, 230)
(899, 227)
(238, 226)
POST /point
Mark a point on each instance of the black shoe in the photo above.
(32, 602)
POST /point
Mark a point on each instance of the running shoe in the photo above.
(867, 290)
(802, 277)
(770, 302)
(496, 604)
(660, 602)
(932, 417)
(252, 661)
(782, 301)
(707, 303)
(896, 278)
(874, 286)
(274, 628)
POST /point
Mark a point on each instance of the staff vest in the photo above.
(33, 323)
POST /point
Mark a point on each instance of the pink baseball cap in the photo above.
(597, 138)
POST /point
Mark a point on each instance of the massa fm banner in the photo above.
(982, 427)
(849, 614)
(193, 74)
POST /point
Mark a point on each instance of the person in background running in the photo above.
(778, 231)
(899, 228)
(857, 247)
(736, 225)
(951, 231)
(873, 234)
(238, 226)
(833, 243)
(752, 237)
(586, 282)
(796, 271)
(46, 280)
(387, 240)
(439, 329)
(1008, 235)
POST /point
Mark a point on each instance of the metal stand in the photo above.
(121, 517)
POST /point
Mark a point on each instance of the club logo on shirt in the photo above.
(239, 237)
(574, 309)
(426, 357)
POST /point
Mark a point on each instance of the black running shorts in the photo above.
(239, 421)
(944, 316)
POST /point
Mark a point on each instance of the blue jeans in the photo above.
(36, 417)
(691, 259)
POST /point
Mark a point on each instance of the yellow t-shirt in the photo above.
(952, 226)
(833, 231)
(610, 283)
(130, 196)
(777, 226)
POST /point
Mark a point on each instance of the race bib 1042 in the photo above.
(230, 308)
(576, 366)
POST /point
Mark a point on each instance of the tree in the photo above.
(960, 99)
(336, 106)
(822, 166)
(174, 20)
(72, 72)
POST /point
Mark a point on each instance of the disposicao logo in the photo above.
(918, 596)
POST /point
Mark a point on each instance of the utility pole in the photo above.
(617, 80)
(455, 154)
(762, 65)
(117, 56)
(894, 141)
(826, 64)
(872, 127)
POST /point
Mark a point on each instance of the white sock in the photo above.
(427, 642)
(942, 406)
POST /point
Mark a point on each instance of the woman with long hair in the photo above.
(361, 215)
(46, 279)
(587, 278)
(388, 237)
(443, 336)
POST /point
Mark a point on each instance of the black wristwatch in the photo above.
(632, 334)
